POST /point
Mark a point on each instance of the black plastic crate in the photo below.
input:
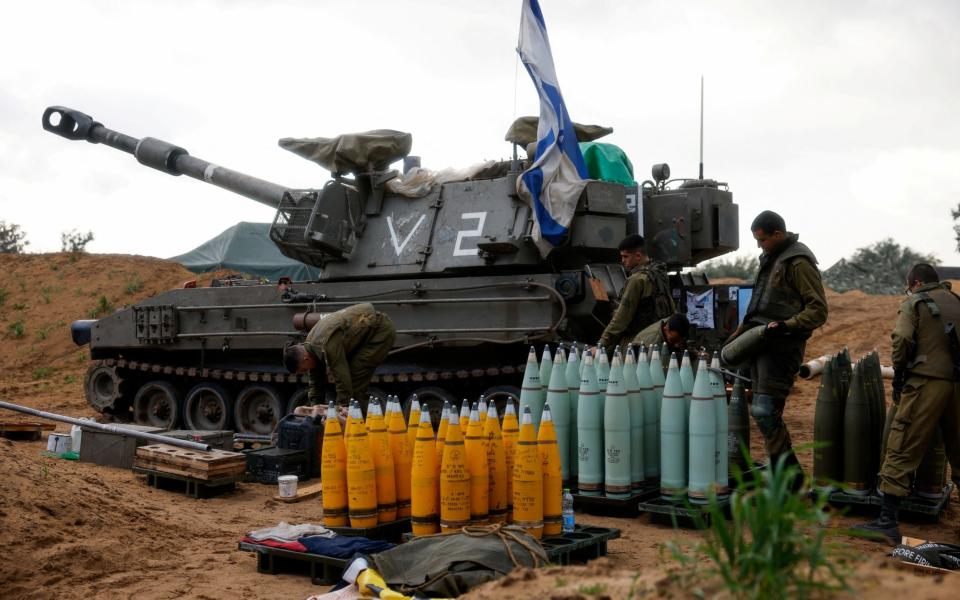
(684, 514)
(267, 464)
(615, 507)
(297, 432)
(323, 570)
(585, 543)
(911, 506)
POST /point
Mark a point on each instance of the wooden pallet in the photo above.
(303, 492)
(214, 464)
(24, 430)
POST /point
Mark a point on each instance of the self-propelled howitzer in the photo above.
(453, 264)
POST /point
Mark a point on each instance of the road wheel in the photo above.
(208, 406)
(157, 404)
(258, 409)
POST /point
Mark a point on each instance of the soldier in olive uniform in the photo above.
(674, 331)
(349, 344)
(645, 297)
(926, 363)
(789, 301)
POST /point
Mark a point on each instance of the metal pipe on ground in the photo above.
(813, 368)
(150, 437)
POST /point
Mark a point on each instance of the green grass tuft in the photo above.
(773, 546)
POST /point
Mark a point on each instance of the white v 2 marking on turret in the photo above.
(398, 247)
(481, 217)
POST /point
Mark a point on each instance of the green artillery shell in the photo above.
(651, 416)
(686, 380)
(635, 396)
(559, 400)
(856, 435)
(546, 368)
(702, 445)
(589, 432)
(828, 428)
(673, 435)
(657, 379)
(531, 392)
(722, 477)
(573, 389)
(616, 434)
(602, 367)
(736, 353)
(738, 419)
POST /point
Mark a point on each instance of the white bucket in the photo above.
(288, 486)
(59, 442)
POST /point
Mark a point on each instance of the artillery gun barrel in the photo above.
(143, 435)
(160, 155)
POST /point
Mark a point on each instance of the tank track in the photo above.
(262, 377)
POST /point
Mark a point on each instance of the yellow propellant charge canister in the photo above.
(479, 471)
(454, 480)
(496, 466)
(511, 433)
(424, 481)
(402, 454)
(383, 463)
(528, 479)
(333, 471)
(442, 432)
(552, 474)
(413, 423)
(361, 475)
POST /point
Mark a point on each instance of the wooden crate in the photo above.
(197, 464)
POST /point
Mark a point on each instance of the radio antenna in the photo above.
(701, 127)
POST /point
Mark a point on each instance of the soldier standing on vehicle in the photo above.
(789, 301)
(674, 331)
(349, 344)
(926, 363)
(645, 297)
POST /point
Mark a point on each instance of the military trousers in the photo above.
(366, 357)
(773, 371)
(925, 404)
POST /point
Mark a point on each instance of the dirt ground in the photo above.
(80, 530)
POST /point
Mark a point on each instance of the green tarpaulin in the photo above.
(607, 162)
(246, 247)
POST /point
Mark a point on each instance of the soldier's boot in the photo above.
(887, 525)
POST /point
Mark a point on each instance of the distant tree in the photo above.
(12, 239)
(74, 241)
(739, 267)
(880, 268)
(956, 227)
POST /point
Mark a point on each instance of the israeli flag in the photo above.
(553, 183)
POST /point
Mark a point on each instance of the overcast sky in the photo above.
(841, 116)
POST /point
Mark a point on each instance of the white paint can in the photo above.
(287, 485)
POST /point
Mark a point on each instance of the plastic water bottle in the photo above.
(568, 522)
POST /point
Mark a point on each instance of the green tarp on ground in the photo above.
(246, 248)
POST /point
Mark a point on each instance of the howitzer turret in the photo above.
(453, 264)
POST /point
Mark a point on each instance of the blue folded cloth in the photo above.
(343, 546)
